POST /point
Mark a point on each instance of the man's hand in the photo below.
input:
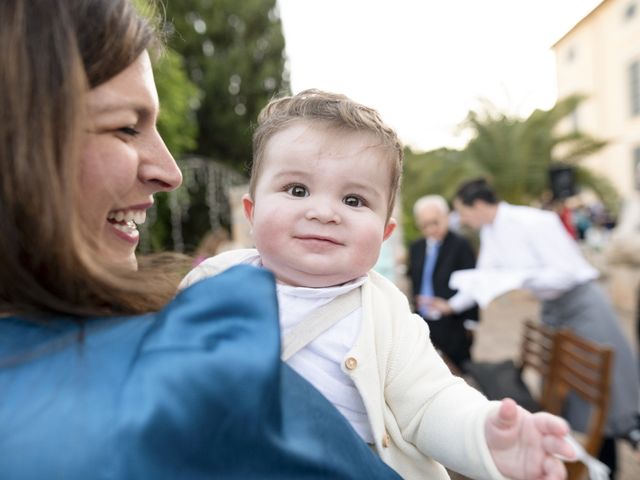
(440, 305)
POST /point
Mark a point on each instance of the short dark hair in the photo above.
(476, 189)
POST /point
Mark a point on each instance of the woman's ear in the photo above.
(247, 206)
(391, 226)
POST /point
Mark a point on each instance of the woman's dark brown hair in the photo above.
(52, 52)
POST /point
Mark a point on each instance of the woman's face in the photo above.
(124, 161)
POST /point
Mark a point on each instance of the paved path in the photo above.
(498, 337)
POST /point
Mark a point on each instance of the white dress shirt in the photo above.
(319, 362)
(527, 248)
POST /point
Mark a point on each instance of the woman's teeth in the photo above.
(127, 220)
(129, 228)
(128, 216)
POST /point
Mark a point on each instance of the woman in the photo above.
(93, 382)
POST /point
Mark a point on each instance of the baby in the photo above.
(324, 181)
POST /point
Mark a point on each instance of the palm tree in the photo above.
(516, 154)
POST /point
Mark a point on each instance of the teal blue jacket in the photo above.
(194, 391)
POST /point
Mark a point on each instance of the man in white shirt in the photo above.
(532, 249)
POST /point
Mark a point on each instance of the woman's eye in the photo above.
(297, 191)
(132, 132)
(353, 201)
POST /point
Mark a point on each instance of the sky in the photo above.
(424, 64)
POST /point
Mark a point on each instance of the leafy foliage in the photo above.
(233, 52)
(515, 154)
(177, 122)
(224, 61)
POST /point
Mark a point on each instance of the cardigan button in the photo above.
(386, 440)
(351, 363)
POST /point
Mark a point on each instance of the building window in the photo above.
(571, 54)
(634, 87)
(636, 167)
(630, 11)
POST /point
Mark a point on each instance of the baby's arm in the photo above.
(438, 413)
(524, 445)
(454, 424)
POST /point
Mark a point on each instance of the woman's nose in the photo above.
(158, 167)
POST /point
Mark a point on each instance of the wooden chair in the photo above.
(584, 368)
(569, 363)
(563, 362)
(536, 353)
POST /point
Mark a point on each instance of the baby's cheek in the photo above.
(268, 236)
(266, 229)
(367, 253)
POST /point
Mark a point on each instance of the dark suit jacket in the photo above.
(455, 253)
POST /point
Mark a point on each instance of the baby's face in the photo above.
(320, 207)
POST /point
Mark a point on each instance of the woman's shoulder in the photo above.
(241, 292)
(225, 326)
(147, 384)
(195, 390)
(208, 361)
(227, 323)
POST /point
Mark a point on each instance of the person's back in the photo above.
(531, 238)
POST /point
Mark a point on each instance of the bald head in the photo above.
(431, 215)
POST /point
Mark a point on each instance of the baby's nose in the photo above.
(323, 212)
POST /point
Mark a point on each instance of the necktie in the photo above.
(427, 274)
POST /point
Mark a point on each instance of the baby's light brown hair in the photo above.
(330, 110)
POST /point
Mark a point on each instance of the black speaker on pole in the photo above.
(563, 181)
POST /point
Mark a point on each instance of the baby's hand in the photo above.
(524, 445)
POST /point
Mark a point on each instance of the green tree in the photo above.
(224, 61)
(515, 154)
(233, 52)
(178, 126)
(178, 95)
(177, 122)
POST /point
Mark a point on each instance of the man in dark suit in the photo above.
(432, 260)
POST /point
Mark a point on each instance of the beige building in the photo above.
(600, 57)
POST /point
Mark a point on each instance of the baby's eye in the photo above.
(353, 201)
(298, 191)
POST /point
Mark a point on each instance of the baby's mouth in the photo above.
(127, 220)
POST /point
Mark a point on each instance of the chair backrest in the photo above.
(536, 351)
(568, 363)
(584, 368)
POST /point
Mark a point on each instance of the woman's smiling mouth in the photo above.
(126, 222)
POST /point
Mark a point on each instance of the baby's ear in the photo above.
(247, 206)
(391, 226)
